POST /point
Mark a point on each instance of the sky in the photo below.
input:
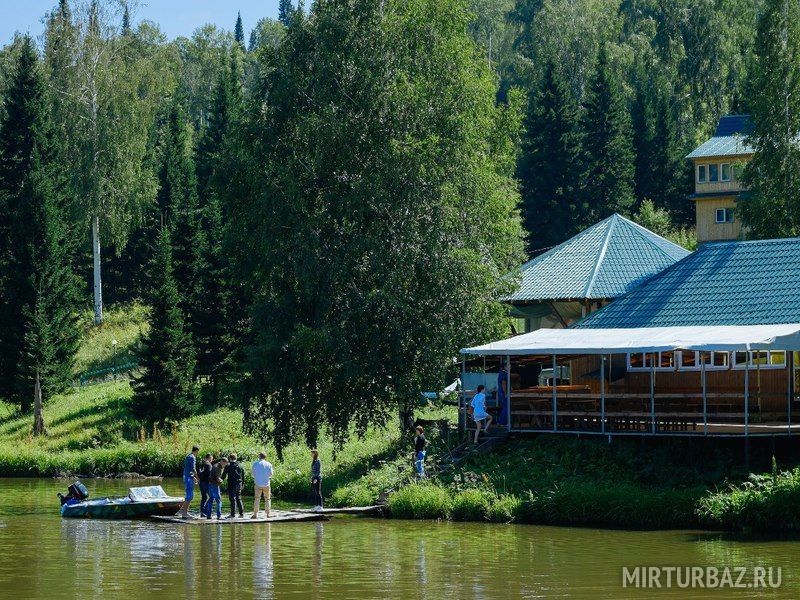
(175, 17)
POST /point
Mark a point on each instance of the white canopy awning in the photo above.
(645, 339)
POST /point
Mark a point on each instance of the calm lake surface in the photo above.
(43, 556)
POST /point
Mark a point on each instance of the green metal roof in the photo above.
(732, 283)
(729, 138)
(604, 261)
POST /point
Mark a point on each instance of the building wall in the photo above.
(771, 384)
(708, 230)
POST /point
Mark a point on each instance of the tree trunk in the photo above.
(98, 289)
(38, 418)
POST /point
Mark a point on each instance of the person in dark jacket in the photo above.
(235, 476)
(203, 473)
(214, 483)
(316, 481)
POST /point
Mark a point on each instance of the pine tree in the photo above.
(773, 174)
(285, 11)
(210, 303)
(550, 164)
(238, 31)
(609, 146)
(37, 284)
(227, 103)
(177, 197)
(166, 389)
(643, 124)
(126, 21)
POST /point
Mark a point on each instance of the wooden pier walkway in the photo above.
(277, 516)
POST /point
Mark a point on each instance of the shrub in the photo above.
(471, 505)
(420, 501)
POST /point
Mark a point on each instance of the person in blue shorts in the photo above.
(189, 480)
(479, 412)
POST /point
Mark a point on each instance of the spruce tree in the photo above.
(210, 303)
(773, 174)
(285, 11)
(37, 284)
(177, 197)
(126, 21)
(165, 389)
(238, 31)
(550, 164)
(609, 172)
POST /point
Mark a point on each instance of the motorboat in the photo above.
(140, 502)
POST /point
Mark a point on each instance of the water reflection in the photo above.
(47, 557)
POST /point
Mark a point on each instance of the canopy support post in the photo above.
(789, 388)
(555, 396)
(747, 395)
(508, 391)
(603, 393)
(653, 392)
(705, 392)
(462, 398)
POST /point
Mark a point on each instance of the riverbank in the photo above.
(629, 483)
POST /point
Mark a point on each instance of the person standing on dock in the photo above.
(262, 473)
(214, 484)
(203, 473)
(189, 479)
(316, 480)
(235, 475)
(419, 452)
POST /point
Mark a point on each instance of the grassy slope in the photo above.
(126, 324)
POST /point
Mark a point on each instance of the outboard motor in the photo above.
(77, 492)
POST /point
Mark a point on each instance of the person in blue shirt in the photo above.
(479, 413)
(189, 480)
(502, 394)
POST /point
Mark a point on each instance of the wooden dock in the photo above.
(346, 510)
(276, 516)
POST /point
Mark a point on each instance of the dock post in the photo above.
(508, 391)
(603, 393)
(555, 396)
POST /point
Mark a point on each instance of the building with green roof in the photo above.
(600, 264)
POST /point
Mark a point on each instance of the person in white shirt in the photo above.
(262, 473)
(479, 412)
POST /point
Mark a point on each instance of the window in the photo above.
(643, 361)
(701, 174)
(764, 359)
(725, 172)
(713, 173)
(690, 361)
(724, 215)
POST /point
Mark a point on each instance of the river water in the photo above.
(43, 556)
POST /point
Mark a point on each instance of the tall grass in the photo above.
(762, 503)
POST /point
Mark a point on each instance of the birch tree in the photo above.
(109, 94)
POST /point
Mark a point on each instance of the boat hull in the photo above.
(121, 508)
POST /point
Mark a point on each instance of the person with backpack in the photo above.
(214, 484)
(234, 473)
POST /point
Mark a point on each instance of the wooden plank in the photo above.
(346, 510)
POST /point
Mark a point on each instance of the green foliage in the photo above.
(774, 102)
(608, 146)
(659, 220)
(550, 161)
(38, 288)
(762, 503)
(421, 501)
(165, 390)
(285, 12)
(127, 324)
(374, 219)
(238, 31)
